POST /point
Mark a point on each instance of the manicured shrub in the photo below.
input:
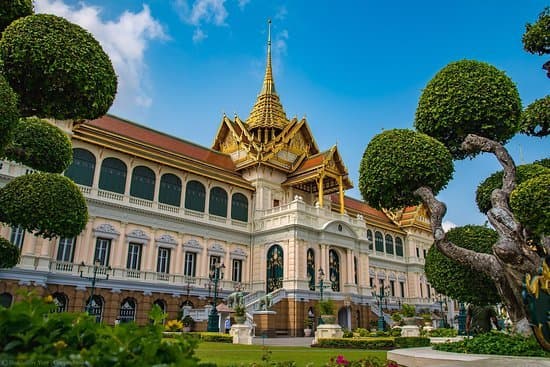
(496, 343)
(12, 10)
(9, 254)
(468, 97)
(459, 281)
(40, 145)
(535, 119)
(412, 342)
(535, 39)
(57, 68)
(45, 203)
(397, 162)
(9, 114)
(366, 343)
(530, 202)
(523, 173)
(443, 333)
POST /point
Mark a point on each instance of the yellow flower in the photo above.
(174, 325)
(60, 344)
(48, 299)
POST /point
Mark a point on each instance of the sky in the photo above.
(352, 68)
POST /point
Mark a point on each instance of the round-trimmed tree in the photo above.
(535, 119)
(536, 39)
(397, 162)
(57, 68)
(48, 204)
(9, 114)
(9, 254)
(459, 281)
(41, 145)
(12, 10)
(523, 173)
(468, 97)
(530, 201)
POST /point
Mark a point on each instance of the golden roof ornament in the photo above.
(268, 111)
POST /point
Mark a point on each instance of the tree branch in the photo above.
(485, 263)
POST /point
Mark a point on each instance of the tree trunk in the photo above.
(512, 257)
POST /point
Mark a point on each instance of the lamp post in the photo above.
(321, 286)
(461, 319)
(383, 293)
(93, 279)
(441, 299)
(215, 276)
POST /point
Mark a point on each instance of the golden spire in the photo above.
(267, 111)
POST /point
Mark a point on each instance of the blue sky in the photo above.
(353, 68)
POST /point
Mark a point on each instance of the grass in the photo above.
(235, 354)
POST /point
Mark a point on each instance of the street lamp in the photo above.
(383, 293)
(441, 299)
(321, 277)
(93, 278)
(215, 275)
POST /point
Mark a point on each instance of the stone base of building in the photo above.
(265, 323)
(242, 334)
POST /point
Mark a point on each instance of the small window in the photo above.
(402, 289)
(134, 256)
(17, 236)
(163, 260)
(6, 300)
(237, 270)
(276, 203)
(369, 239)
(65, 250)
(190, 264)
(379, 241)
(127, 312)
(102, 251)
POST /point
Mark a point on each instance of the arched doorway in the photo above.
(127, 311)
(94, 307)
(344, 318)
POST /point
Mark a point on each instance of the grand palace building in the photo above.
(264, 204)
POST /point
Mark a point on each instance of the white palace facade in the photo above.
(265, 201)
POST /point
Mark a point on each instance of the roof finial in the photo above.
(268, 86)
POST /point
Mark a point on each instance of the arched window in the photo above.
(334, 270)
(195, 196)
(94, 307)
(398, 246)
(311, 269)
(113, 175)
(170, 190)
(127, 312)
(369, 239)
(218, 202)
(239, 207)
(161, 303)
(61, 302)
(82, 168)
(378, 242)
(6, 299)
(143, 183)
(274, 268)
(389, 244)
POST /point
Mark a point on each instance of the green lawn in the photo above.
(234, 354)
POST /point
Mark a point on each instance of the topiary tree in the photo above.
(470, 107)
(530, 202)
(482, 99)
(12, 10)
(387, 180)
(9, 254)
(38, 144)
(536, 39)
(49, 68)
(456, 280)
(535, 119)
(57, 68)
(485, 189)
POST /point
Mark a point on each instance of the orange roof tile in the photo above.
(310, 162)
(158, 139)
(361, 207)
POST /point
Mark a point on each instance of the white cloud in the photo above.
(199, 35)
(281, 13)
(124, 40)
(448, 225)
(243, 3)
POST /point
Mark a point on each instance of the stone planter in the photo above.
(328, 319)
(410, 321)
(307, 332)
(240, 319)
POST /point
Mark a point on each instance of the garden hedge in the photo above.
(374, 343)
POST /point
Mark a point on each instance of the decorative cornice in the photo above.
(106, 230)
